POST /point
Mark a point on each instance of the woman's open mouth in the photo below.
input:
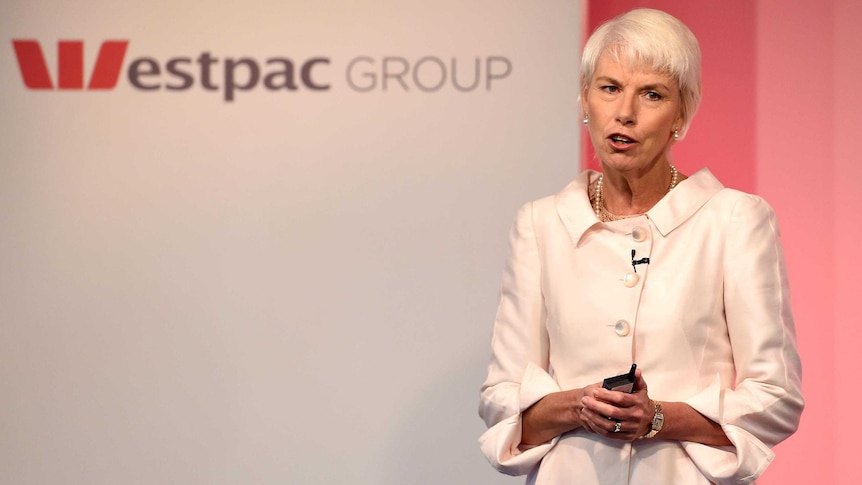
(619, 141)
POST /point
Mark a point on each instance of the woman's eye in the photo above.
(610, 89)
(653, 96)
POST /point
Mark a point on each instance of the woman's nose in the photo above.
(626, 110)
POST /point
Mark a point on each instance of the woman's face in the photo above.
(632, 115)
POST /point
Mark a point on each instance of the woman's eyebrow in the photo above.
(656, 86)
(607, 79)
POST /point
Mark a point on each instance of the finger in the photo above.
(640, 382)
(604, 409)
(600, 423)
(587, 422)
(607, 427)
(615, 398)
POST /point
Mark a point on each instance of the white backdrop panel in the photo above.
(295, 286)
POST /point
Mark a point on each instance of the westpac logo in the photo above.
(149, 74)
(230, 76)
(70, 64)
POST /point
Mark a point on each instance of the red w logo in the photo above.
(70, 64)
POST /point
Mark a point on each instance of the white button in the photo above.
(631, 279)
(622, 328)
(639, 234)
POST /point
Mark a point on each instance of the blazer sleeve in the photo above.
(518, 371)
(764, 406)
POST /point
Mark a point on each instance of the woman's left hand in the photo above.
(618, 415)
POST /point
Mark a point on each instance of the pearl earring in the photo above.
(676, 133)
(586, 120)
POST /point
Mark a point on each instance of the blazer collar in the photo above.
(577, 215)
(683, 201)
(573, 206)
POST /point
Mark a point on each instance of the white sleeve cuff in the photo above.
(500, 442)
(500, 446)
(738, 464)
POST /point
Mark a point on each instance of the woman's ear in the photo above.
(679, 121)
(678, 124)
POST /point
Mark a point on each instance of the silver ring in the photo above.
(617, 427)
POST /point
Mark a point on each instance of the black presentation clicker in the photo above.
(622, 382)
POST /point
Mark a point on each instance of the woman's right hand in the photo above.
(553, 415)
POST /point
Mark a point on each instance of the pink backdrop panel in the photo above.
(796, 172)
(848, 173)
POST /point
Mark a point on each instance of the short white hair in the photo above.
(655, 38)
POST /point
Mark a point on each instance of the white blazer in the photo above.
(707, 320)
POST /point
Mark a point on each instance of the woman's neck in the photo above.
(626, 193)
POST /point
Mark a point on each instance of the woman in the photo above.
(642, 264)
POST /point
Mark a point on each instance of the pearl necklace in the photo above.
(599, 202)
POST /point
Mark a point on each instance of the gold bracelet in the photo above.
(657, 421)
